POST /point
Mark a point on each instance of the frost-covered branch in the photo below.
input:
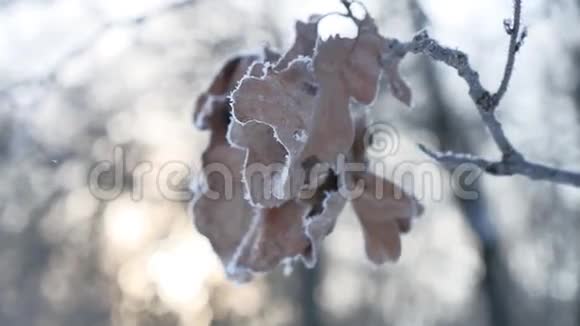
(512, 28)
(508, 167)
(512, 162)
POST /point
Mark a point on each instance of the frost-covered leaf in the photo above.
(327, 204)
(398, 86)
(304, 42)
(224, 221)
(307, 104)
(277, 234)
(292, 231)
(214, 100)
(383, 210)
(356, 62)
(263, 165)
(279, 127)
(285, 100)
(221, 212)
(220, 209)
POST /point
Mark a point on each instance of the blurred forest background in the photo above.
(78, 78)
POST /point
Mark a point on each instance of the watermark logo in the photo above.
(178, 181)
(108, 179)
(381, 140)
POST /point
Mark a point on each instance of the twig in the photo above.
(423, 44)
(50, 77)
(521, 167)
(512, 161)
(514, 32)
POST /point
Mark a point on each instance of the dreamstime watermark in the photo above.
(109, 179)
(179, 181)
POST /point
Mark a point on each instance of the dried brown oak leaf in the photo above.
(221, 211)
(223, 218)
(384, 211)
(307, 103)
(213, 103)
(304, 42)
(397, 84)
(292, 231)
(262, 165)
(284, 101)
(287, 119)
(277, 233)
(327, 203)
(265, 151)
(250, 239)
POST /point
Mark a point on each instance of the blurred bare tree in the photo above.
(81, 78)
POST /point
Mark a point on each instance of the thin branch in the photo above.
(423, 44)
(512, 161)
(514, 32)
(49, 78)
(521, 167)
